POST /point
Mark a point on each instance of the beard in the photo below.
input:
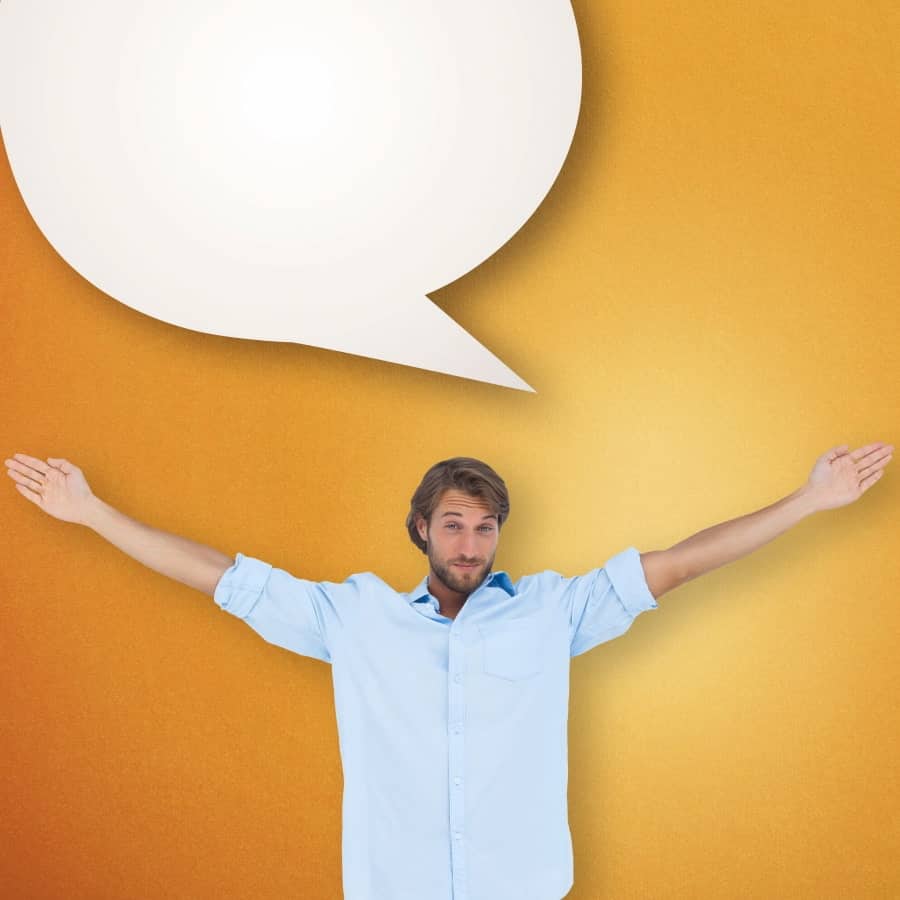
(463, 581)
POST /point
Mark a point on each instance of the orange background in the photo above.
(706, 301)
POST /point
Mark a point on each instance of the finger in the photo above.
(866, 483)
(871, 463)
(62, 464)
(38, 464)
(835, 452)
(857, 455)
(13, 465)
(26, 480)
(31, 495)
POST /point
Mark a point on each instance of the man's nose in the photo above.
(469, 547)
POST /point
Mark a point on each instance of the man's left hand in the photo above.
(840, 476)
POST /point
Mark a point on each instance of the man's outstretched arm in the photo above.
(838, 477)
(60, 489)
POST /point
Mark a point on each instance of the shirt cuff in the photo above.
(241, 586)
(629, 582)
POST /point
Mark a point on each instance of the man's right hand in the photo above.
(57, 486)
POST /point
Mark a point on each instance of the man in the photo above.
(452, 699)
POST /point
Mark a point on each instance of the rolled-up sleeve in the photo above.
(603, 603)
(289, 612)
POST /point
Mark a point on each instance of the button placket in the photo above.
(456, 756)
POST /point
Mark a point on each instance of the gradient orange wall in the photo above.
(707, 301)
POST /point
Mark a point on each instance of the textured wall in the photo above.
(706, 302)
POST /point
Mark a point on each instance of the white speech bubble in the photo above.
(290, 171)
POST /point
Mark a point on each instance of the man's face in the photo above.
(462, 540)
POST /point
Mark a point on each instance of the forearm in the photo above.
(193, 564)
(728, 541)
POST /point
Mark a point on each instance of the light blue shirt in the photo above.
(452, 732)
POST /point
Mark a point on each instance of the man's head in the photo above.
(455, 518)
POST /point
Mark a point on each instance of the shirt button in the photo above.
(457, 729)
(457, 678)
(458, 836)
(457, 781)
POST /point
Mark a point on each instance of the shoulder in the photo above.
(545, 580)
(359, 584)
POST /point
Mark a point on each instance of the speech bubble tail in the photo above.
(417, 333)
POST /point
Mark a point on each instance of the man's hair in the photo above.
(463, 473)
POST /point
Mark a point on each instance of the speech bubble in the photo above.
(290, 171)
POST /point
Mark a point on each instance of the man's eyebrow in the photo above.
(451, 512)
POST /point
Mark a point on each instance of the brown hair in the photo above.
(473, 477)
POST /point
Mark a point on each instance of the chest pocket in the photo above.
(512, 650)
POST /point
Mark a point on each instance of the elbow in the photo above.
(664, 570)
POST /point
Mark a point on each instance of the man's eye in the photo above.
(486, 528)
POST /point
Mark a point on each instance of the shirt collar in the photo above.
(495, 579)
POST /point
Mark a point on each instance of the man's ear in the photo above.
(422, 528)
